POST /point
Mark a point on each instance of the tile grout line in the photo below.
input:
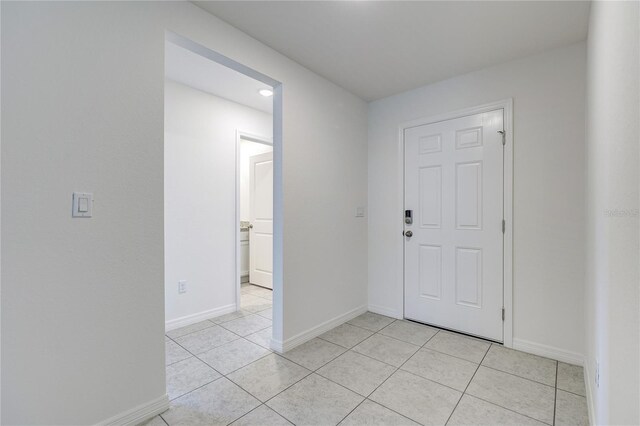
(247, 413)
(349, 413)
(369, 330)
(572, 393)
(262, 404)
(219, 324)
(508, 409)
(464, 392)
(520, 377)
(505, 408)
(191, 332)
(257, 331)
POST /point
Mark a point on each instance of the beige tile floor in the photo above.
(373, 370)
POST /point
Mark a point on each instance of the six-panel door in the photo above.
(453, 261)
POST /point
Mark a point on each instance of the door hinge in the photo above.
(504, 226)
(502, 314)
(504, 137)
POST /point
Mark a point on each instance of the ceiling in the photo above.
(378, 48)
(189, 68)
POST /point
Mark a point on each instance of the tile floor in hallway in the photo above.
(373, 370)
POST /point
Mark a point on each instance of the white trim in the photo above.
(546, 351)
(140, 413)
(240, 136)
(507, 106)
(587, 384)
(309, 334)
(382, 310)
(200, 316)
(219, 58)
(507, 330)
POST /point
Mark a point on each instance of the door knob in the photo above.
(408, 234)
(250, 226)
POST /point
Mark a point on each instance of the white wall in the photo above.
(247, 150)
(82, 110)
(200, 199)
(548, 94)
(613, 253)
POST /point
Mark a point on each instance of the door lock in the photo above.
(408, 234)
(408, 217)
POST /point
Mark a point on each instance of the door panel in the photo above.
(430, 272)
(261, 208)
(469, 195)
(431, 197)
(453, 261)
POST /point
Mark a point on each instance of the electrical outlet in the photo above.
(182, 286)
(597, 375)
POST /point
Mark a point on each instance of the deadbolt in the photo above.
(408, 234)
(408, 217)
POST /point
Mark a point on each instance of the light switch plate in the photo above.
(82, 204)
(359, 211)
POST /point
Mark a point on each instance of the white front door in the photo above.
(453, 261)
(261, 211)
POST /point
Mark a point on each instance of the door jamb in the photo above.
(507, 211)
(240, 136)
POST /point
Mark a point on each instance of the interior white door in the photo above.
(453, 256)
(261, 212)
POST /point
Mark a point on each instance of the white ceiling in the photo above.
(189, 68)
(378, 48)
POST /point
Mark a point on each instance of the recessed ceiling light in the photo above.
(266, 92)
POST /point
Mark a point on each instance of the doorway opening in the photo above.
(255, 216)
(223, 197)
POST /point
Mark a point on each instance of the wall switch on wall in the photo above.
(597, 375)
(182, 286)
(359, 211)
(82, 204)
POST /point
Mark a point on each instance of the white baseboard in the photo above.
(139, 414)
(305, 336)
(386, 311)
(548, 352)
(200, 316)
(587, 384)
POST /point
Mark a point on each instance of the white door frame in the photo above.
(243, 136)
(507, 105)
